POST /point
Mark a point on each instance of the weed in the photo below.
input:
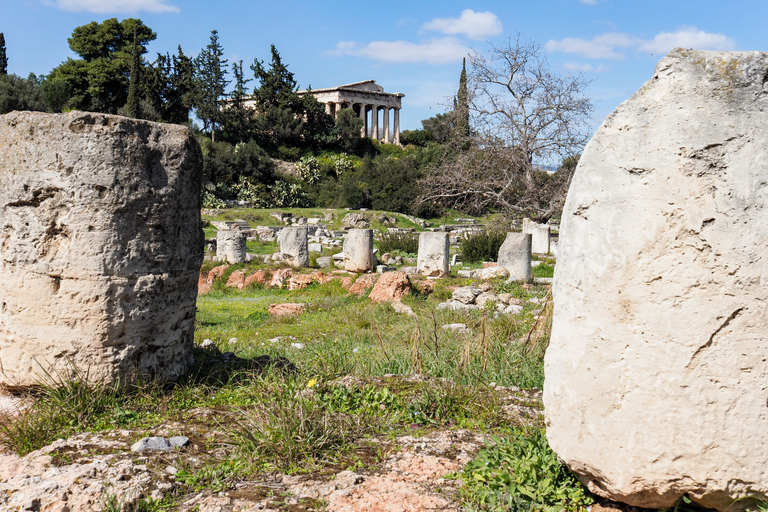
(482, 246)
(521, 473)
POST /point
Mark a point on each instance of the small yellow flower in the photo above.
(311, 383)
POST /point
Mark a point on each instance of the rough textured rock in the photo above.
(492, 273)
(433, 259)
(286, 308)
(258, 277)
(230, 246)
(358, 250)
(236, 280)
(515, 256)
(392, 286)
(656, 370)
(362, 284)
(101, 246)
(539, 236)
(294, 244)
(280, 277)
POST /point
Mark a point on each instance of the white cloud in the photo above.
(687, 37)
(611, 44)
(474, 25)
(113, 6)
(578, 67)
(435, 51)
(604, 46)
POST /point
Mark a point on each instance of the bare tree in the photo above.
(521, 112)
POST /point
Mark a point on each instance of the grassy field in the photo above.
(300, 393)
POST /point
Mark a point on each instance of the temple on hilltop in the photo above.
(363, 97)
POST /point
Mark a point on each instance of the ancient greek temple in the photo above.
(364, 97)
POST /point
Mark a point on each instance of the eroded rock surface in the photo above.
(100, 247)
(656, 370)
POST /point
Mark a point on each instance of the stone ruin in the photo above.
(539, 236)
(100, 249)
(230, 246)
(294, 246)
(656, 371)
(433, 258)
(515, 256)
(358, 251)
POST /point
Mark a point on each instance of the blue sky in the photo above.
(410, 47)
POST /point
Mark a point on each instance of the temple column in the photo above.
(364, 129)
(328, 108)
(387, 136)
(337, 108)
(375, 122)
(397, 126)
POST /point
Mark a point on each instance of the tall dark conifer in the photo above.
(461, 105)
(211, 82)
(3, 56)
(133, 105)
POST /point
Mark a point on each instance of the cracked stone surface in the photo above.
(656, 371)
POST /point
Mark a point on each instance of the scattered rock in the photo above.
(491, 273)
(236, 279)
(466, 294)
(457, 328)
(403, 309)
(151, 443)
(286, 308)
(363, 283)
(392, 286)
(258, 277)
(280, 277)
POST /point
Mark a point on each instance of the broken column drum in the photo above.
(230, 246)
(294, 244)
(100, 249)
(358, 250)
(515, 256)
(433, 258)
(656, 375)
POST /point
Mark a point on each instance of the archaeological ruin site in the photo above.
(297, 365)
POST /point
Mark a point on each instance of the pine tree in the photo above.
(237, 117)
(3, 56)
(277, 87)
(210, 84)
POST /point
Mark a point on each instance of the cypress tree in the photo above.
(461, 104)
(3, 56)
(133, 105)
(210, 81)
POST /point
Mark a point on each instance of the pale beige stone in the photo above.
(101, 246)
(656, 370)
(433, 258)
(515, 256)
(294, 245)
(358, 250)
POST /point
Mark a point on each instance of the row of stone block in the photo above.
(433, 256)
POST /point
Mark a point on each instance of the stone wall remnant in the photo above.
(294, 245)
(358, 251)
(230, 246)
(515, 256)
(100, 247)
(433, 258)
(656, 371)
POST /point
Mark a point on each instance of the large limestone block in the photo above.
(294, 244)
(358, 251)
(657, 370)
(515, 256)
(100, 248)
(433, 258)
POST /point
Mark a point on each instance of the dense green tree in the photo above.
(168, 88)
(237, 117)
(348, 125)
(3, 56)
(277, 87)
(18, 93)
(210, 84)
(318, 126)
(99, 80)
(56, 93)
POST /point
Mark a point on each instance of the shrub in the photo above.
(399, 242)
(482, 246)
(429, 210)
(522, 474)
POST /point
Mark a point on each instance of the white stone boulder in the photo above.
(294, 245)
(539, 236)
(358, 251)
(515, 256)
(657, 370)
(100, 248)
(433, 258)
